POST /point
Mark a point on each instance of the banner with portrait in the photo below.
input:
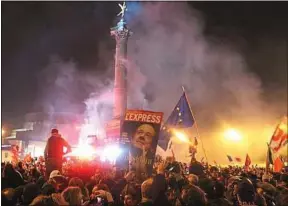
(141, 129)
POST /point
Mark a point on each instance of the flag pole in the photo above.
(197, 130)
(267, 159)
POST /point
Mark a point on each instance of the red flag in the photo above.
(15, 153)
(238, 159)
(278, 165)
(280, 138)
(247, 162)
(28, 158)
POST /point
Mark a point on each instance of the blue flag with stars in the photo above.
(181, 117)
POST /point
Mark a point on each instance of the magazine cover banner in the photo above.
(142, 129)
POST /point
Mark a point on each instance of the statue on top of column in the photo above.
(123, 9)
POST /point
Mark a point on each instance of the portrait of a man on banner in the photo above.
(142, 129)
(142, 149)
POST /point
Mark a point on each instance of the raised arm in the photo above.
(67, 145)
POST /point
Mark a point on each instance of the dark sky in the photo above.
(33, 31)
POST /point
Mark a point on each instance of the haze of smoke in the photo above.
(137, 81)
(88, 95)
(58, 89)
(170, 48)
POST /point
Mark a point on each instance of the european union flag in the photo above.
(181, 117)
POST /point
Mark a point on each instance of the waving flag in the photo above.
(280, 137)
(247, 162)
(15, 153)
(181, 117)
(237, 159)
(278, 164)
(229, 158)
(195, 141)
(269, 157)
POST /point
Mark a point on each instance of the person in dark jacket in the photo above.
(193, 196)
(21, 169)
(30, 191)
(53, 153)
(11, 177)
(157, 190)
(196, 168)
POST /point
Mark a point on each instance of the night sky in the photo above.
(33, 31)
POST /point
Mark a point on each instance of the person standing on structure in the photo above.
(54, 152)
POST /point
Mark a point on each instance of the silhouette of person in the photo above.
(53, 153)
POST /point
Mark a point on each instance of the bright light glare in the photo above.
(181, 136)
(110, 153)
(3, 131)
(232, 135)
(83, 151)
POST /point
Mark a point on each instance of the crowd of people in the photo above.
(43, 182)
(172, 183)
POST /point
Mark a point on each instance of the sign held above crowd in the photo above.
(141, 129)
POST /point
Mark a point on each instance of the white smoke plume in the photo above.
(170, 48)
(68, 90)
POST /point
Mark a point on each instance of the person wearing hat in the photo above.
(56, 183)
(53, 153)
